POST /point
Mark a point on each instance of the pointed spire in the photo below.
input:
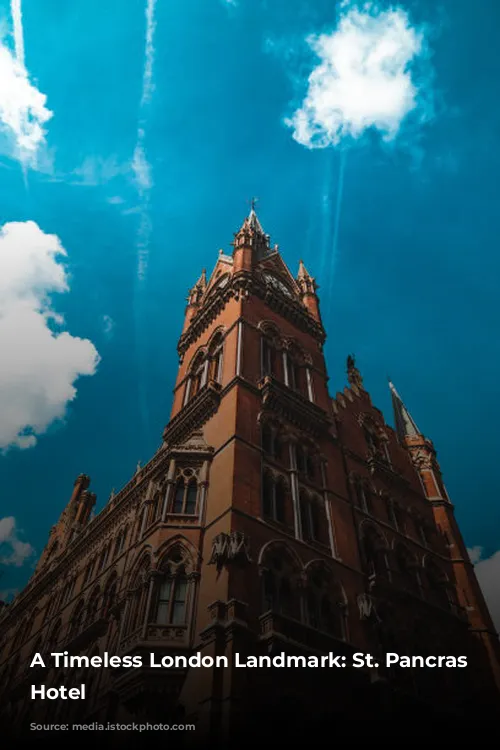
(202, 281)
(303, 274)
(251, 237)
(405, 425)
(353, 374)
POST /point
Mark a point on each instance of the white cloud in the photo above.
(116, 200)
(23, 110)
(363, 78)
(13, 551)
(98, 171)
(488, 574)
(40, 362)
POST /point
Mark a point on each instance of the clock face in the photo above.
(277, 284)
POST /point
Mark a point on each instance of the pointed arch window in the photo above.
(438, 585)
(109, 597)
(293, 370)
(274, 494)
(306, 462)
(172, 597)
(406, 567)
(185, 498)
(197, 377)
(93, 606)
(374, 553)
(325, 604)
(216, 358)
(309, 517)
(268, 357)
(278, 586)
(272, 444)
(172, 590)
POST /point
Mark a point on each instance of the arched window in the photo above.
(374, 552)
(185, 496)
(103, 558)
(406, 569)
(293, 374)
(279, 584)
(274, 493)
(171, 608)
(88, 572)
(197, 377)
(156, 505)
(140, 587)
(109, 597)
(309, 518)
(268, 357)
(363, 495)
(93, 606)
(272, 443)
(216, 358)
(306, 462)
(325, 602)
(438, 590)
(172, 589)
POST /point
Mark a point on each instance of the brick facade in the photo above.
(273, 518)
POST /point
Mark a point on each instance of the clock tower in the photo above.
(274, 522)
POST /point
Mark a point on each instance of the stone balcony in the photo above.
(154, 636)
(194, 414)
(91, 630)
(294, 407)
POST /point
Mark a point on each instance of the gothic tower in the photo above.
(273, 519)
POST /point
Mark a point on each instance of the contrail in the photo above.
(147, 81)
(141, 166)
(338, 210)
(17, 19)
(144, 183)
(325, 215)
(17, 22)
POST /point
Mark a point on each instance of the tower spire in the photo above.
(405, 424)
(251, 243)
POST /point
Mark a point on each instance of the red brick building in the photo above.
(272, 519)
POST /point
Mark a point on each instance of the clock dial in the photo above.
(277, 284)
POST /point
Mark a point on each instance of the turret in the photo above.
(73, 518)
(421, 449)
(308, 287)
(353, 374)
(194, 298)
(250, 244)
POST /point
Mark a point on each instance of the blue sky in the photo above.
(154, 134)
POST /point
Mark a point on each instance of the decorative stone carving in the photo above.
(366, 606)
(228, 548)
